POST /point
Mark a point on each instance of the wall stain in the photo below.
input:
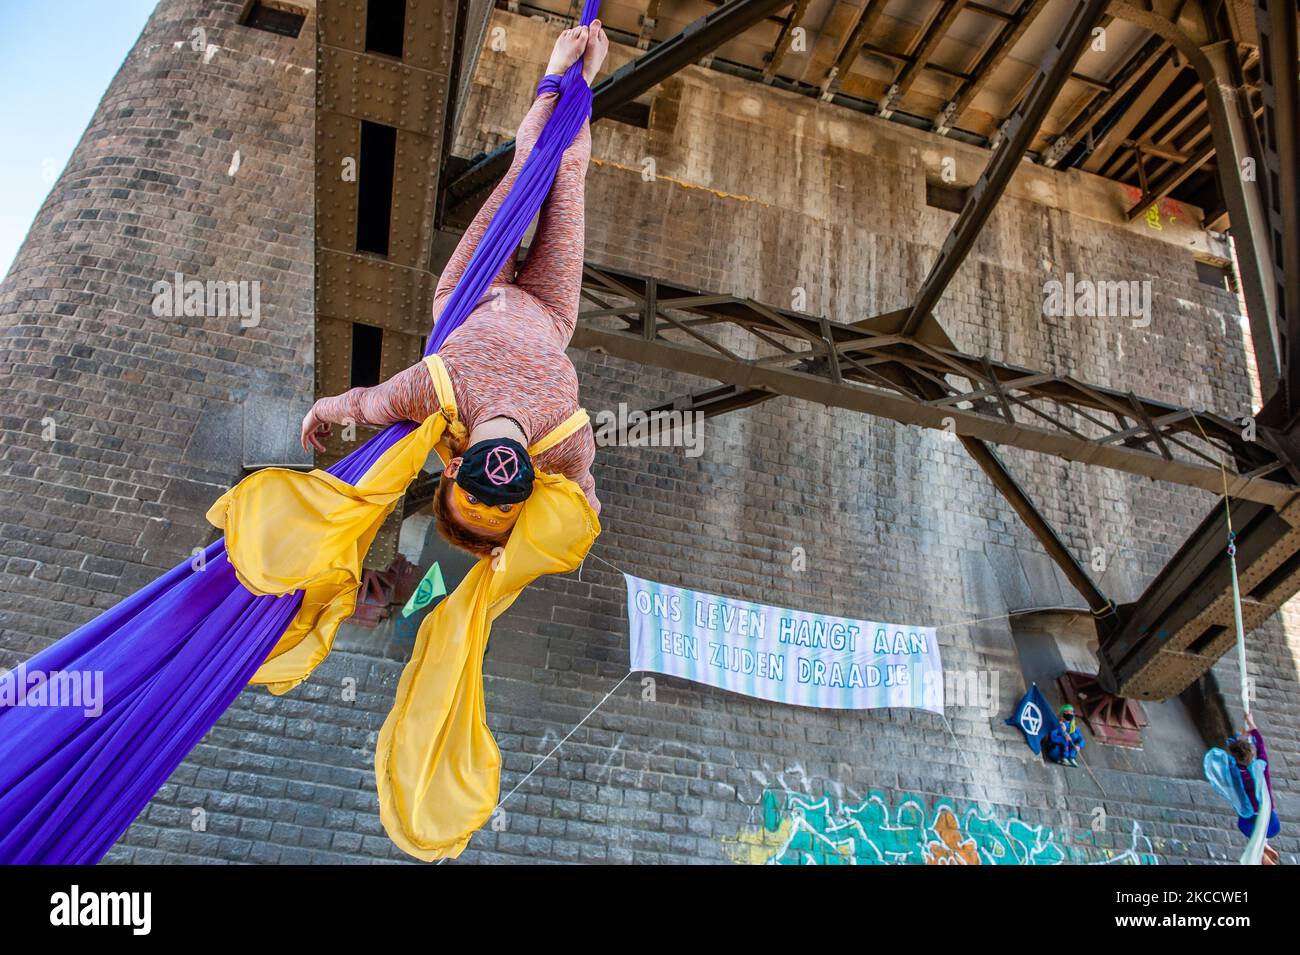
(660, 177)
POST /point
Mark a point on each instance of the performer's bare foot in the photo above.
(568, 47)
(597, 47)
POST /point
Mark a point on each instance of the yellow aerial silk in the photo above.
(437, 766)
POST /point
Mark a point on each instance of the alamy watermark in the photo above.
(78, 907)
(650, 429)
(182, 298)
(973, 689)
(79, 689)
(1086, 298)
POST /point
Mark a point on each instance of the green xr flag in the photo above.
(431, 587)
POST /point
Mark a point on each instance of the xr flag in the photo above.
(1034, 718)
(430, 588)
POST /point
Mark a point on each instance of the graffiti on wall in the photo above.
(1170, 209)
(795, 829)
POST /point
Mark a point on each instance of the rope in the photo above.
(1244, 682)
(1254, 851)
(541, 762)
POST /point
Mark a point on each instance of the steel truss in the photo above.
(872, 366)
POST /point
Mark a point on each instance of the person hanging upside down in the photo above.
(512, 380)
(1245, 749)
(1066, 741)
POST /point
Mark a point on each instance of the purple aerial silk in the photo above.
(508, 226)
(174, 655)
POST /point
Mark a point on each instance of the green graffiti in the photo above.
(798, 830)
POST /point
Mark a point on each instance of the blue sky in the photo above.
(56, 60)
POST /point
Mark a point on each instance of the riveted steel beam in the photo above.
(1229, 112)
(1280, 92)
(1121, 82)
(784, 40)
(403, 103)
(1155, 84)
(927, 42)
(1183, 622)
(863, 24)
(878, 366)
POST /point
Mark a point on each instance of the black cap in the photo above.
(497, 471)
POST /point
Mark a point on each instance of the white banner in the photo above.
(787, 656)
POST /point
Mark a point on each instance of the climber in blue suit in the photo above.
(1066, 741)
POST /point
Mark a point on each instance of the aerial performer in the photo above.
(1240, 773)
(511, 381)
(497, 399)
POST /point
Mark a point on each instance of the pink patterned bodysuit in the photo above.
(507, 359)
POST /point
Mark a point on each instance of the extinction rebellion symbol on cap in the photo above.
(502, 465)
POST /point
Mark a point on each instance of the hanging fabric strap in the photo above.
(1243, 677)
(570, 425)
(442, 387)
(1254, 853)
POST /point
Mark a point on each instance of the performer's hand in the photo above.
(1250, 722)
(313, 429)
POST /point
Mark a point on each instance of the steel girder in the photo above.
(927, 42)
(1153, 648)
(393, 291)
(1017, 133)
(1124, 79)
(1184, 621)
(1228, 107)
(784, 40)
(1008, 36)
(1276, 21)
(871, 366)
(864, 23)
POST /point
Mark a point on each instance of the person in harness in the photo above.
(1245, 749)
(515, 389)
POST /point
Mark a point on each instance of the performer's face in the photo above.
(474, 515)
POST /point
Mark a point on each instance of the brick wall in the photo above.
(757, 192)
(120, 427)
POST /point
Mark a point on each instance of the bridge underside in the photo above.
(1229, 59)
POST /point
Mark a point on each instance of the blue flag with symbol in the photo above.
(1034, 717)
